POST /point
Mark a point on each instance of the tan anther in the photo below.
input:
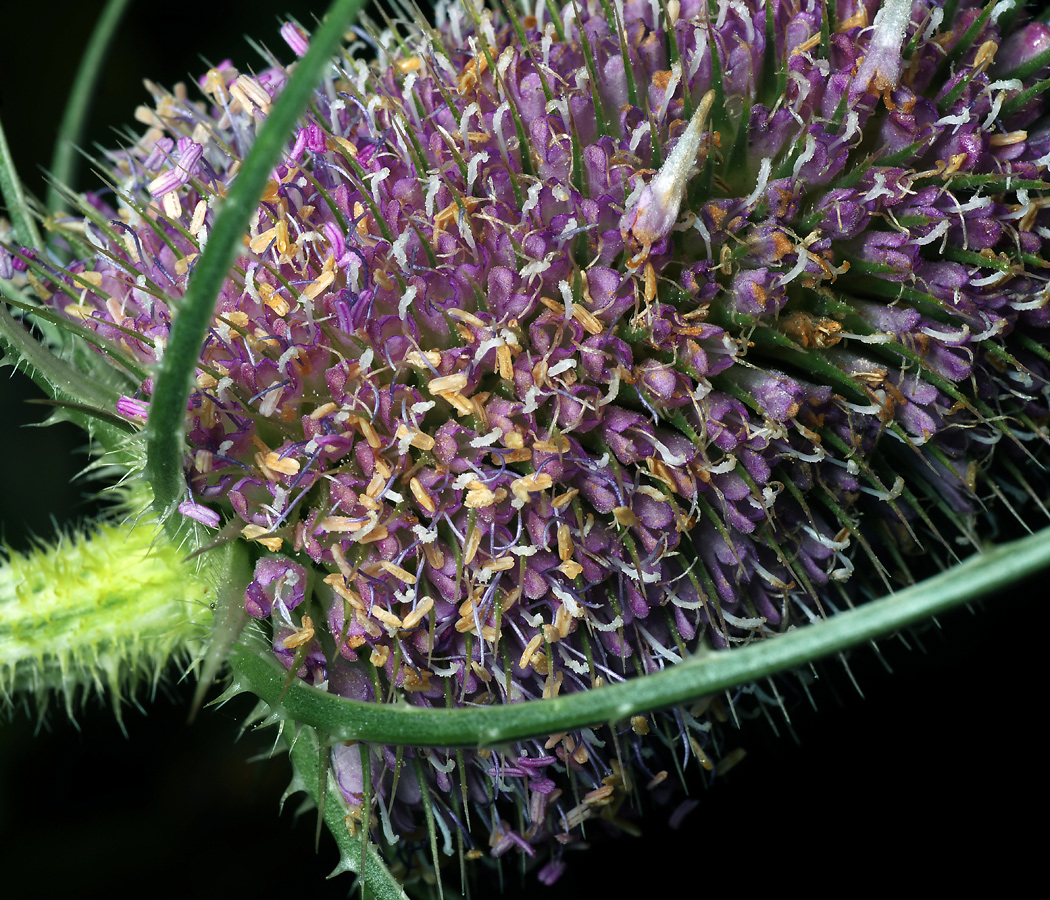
(985, 55)
(77, 311)
(418, 614)
(447, 383)
(484, 674)
(398, 572)
(408, 64)
(625, 516)
(343, 146)
(530, 650)
(420, 360)
(274, 300)
(258, 534)
(811, 331)
(565, 545)
(286, 466)
(858, 20)
(599, 796)
(323, 281)
(202, 462)
(238, 318)
(658, 779)
(540, 663)
(652, 493)
(147, 116)
(417, 438)
(206, 381)
(379, 655)
(382, 614)
(510, 598)
(650, 282)
(379, 533)
(502, 564)
(530, 484)
(955, 163)
(477, 403)
(462, 405)
(171, 205)
(262, 241)
(383, 280)
(250, 94)
(730, 760)
(468, 78)
(552, 685)
(470, 549)
(416, 681)
(563, 620)
(478, 496)
(553, 305)
(807, 45)
(382, 468)
(570, 568)
(1005, 140)
(304, 635)
(323, 410)
(513, 440)
(554, 740)
(370, 434)
(639, 724)
(461, 315)
(422, 495)
(375, 485)
(590, 322)
(340, 524)
(338, 584)
(505, 362)
(364, 220)
(564, 499)
(434, 556)
(701, 756)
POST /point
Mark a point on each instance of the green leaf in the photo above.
(168, 406)
(704, 673)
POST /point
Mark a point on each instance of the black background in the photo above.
(937, 767)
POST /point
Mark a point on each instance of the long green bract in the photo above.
(74, 118)
(702, 674)
(164, 450)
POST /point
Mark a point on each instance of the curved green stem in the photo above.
(71, 128)
(168, 406)
(702, 674)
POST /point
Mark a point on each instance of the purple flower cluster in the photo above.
(561, 344)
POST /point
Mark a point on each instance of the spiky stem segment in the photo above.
(103, 610)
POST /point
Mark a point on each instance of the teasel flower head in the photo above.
(568, 341)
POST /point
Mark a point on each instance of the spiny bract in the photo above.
(566, 340)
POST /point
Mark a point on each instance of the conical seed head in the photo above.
(562, 345)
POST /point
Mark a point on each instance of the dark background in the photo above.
(938, 766)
